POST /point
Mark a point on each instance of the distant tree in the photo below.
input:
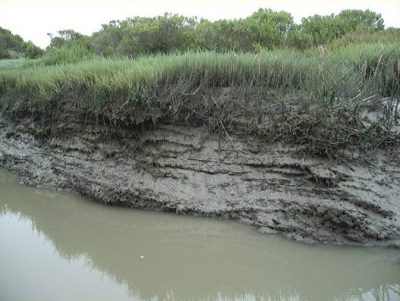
(322, 29)
(4, 54)
(355, 19)
(13, 46)
(264, 29)
(32, 51)
(298, 38)
(281, 21)
(106, 41)
(222, 35)
(10, 41)
(64, 37)
(138, 35)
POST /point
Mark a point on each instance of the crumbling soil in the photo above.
(187, 170)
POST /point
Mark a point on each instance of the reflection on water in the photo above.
(58, 246)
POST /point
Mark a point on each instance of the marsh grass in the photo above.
(71, 54)
(10, 63)
(315, 98)
(364, 36)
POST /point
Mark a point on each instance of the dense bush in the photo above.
(354, 18)
(10, 43)
(138, 35)
(13, 46)
(264, 29)
(32, 51)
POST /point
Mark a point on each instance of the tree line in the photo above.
(13, 46)
(264, 29)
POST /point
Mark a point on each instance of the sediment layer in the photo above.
(187, 170)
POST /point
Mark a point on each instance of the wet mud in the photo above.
(186, 170)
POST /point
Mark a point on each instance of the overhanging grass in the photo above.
(190, 86)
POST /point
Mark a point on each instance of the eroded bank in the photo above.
(187, 170)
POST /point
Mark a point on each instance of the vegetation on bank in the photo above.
(316, 98)
(242, 76)
(264, 29)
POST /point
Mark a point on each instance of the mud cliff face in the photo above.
(188, 171)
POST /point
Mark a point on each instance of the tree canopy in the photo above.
(13, 46)
(264, 29)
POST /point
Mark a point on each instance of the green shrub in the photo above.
(32, 51)
(66, 55)
(4, 54)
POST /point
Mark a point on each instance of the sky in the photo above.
(32, 20)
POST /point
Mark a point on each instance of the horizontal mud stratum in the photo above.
(189, 171)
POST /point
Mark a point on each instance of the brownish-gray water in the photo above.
(58, 246)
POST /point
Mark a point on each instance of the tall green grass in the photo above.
(363, 36)
(71, 54)
(342, 73)
(185, 86)
(10, 63)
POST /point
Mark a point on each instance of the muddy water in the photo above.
(57, 246)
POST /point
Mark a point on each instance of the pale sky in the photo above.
(34, 19)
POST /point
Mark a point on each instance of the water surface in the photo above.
(59, 246)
